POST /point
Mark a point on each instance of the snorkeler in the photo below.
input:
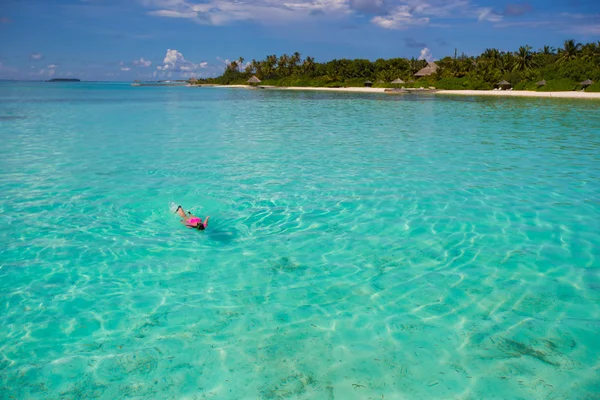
(191, 221)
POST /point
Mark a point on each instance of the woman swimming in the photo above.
(191, 221)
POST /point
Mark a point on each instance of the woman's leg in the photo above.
(181, 212)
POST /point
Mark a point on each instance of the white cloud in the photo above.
(400, 18)
(176, 62)
(390, 14)
(488, 14)
(408, 13)
(173, 14)
(142, 63)
(36, 56)
(52, 66)
(221, 12)
(125, 69)
(426, 55)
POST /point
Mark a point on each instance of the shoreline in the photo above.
(496, 93)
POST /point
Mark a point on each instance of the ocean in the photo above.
(359, 246)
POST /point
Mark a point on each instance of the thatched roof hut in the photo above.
(587, 82)
(397, 81)
(541, 83)
(503, 85)
(368, 84)
(254, 79)
(430, 69)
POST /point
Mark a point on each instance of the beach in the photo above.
(495, 93)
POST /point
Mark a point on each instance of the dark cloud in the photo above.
(368, 6)
(514, 10)
(413, 44)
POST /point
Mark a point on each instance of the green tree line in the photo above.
(562, 69)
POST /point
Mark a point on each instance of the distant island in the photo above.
(575, 66)
(64, 80)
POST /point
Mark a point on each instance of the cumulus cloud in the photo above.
(35, 56)
(400, 17)
(125, 69)
(142, 63)
(426, 55)
(52, 66)
(175, 61)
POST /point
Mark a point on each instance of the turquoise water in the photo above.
(360, 246)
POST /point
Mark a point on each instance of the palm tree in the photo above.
(294, 60)
(282, 64)
(569, 51)
(309, 65)
(523, 59)
(506, 62)
(491, 54)
(547, 51)
(240, 62)
(590, 52)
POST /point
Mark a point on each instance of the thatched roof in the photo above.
(541, 83)
(366, 82)
(587, 82)
(428, 70)
(397, 81)
(503, 83)
(254, 79)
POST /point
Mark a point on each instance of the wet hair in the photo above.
(200, 226)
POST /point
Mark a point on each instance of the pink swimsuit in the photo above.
(194, 221)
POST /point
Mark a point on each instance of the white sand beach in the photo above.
(522, 93)
(498, 93)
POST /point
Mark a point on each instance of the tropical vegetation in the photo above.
(562, 69)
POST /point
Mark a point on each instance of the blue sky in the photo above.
(146, 39)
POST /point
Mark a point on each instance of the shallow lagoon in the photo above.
(360, 246)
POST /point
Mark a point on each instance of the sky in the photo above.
(123, 40)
